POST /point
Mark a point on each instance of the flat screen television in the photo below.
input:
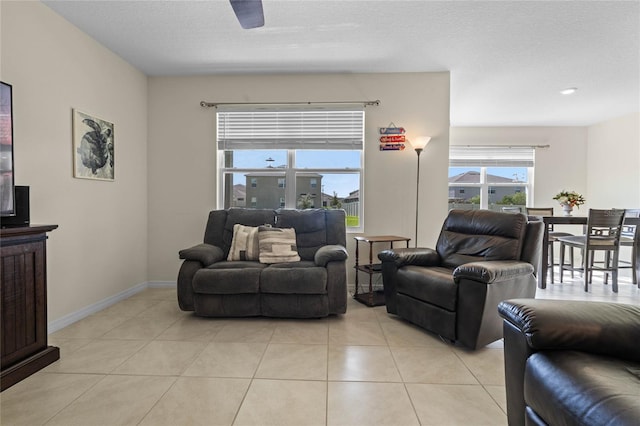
(7, 185)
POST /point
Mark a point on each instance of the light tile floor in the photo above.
(144, 362)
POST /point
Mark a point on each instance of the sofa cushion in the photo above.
(476, 235)
(277, 245)
(310, 226)
(244, 245)
(237, 264)
(294, 278)
(577, 388)
(228, 278)
(432, 285)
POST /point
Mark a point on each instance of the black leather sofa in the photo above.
(571, 362)
(481, 258)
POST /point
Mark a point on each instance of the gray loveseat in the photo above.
(315, 286)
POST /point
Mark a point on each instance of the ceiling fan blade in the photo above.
(249, 13)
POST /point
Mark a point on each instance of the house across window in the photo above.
(295, 158)
(490, 177)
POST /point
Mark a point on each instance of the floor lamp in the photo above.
(418, 144)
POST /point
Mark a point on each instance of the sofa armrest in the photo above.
(397, 258)
(410, 256)
(330, 253)
(604, 328)
(203, 253)
(492, 271)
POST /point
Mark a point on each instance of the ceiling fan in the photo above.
(248, 12)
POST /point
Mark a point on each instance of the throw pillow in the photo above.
(244, 245)
(278, 245)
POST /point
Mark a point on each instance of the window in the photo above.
(317, 151)
(490, 177)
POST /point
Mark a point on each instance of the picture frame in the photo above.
(7, 173)
(93, 147)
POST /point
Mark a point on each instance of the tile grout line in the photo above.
(479, 381)
(175, 380)
(395, 363)
(104, 376)
(252, 378)
(326, 387)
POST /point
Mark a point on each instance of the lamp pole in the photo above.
(419, 144)
(418, 151)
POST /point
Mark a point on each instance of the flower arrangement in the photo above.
(569, 198)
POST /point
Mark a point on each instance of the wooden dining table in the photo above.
(573, 220)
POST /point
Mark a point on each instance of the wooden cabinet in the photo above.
(23, 303)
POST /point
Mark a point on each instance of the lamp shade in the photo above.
(420, 142)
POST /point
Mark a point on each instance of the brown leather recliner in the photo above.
(481, 258)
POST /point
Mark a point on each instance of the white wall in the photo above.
(561, 166)
(100, 247)
(182, 154)
(613, 163)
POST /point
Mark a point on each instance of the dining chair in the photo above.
(603, 233)
(629, 238)
(553, 236)
(511, 209)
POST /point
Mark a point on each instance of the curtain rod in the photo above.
(503, 146)
(205, 104)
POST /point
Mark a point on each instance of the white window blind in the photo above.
(291, 129)
(484, 156)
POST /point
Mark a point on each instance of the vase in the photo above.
(567, 209)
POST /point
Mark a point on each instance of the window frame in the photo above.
(290, 170)
(290, 173)
(477, 162)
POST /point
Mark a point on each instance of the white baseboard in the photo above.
(162, 284)
(69, 319)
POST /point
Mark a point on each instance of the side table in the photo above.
(372, 298)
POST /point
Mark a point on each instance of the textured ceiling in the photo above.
(508, 59)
